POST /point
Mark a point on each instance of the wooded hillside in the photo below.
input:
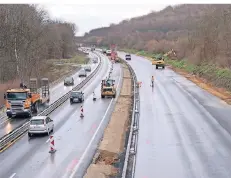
(28, 37)
(196, 32)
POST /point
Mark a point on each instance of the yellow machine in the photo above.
(25, 101)
(108, 88)
(159, 60)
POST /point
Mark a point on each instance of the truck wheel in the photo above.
(163, 67)
(102, 96)
(35, 107)
(156, 66)
(71, 102)
(29, 134)
(114, 96)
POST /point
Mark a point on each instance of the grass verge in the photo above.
(210, 77)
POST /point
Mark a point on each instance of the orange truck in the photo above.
(26, 101)
(114, 55)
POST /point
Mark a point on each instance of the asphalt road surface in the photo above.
(74, 138)
(184, 132)
(7, 125)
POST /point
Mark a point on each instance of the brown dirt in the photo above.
(100, 171)
(113, 140)
(113, 135)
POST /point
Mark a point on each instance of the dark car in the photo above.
(76, 97)
(128, 57)
(69, 81)
(87, 68)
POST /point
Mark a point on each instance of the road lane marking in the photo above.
(5, 120)
(12, 175)
(93, 137)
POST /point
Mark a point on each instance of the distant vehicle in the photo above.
(82, 73)
(40, 125)
(87, 68)
(108, 52)
(76, 97)
(95, 60)
(104, 51)
(69, 81)
(128, 57)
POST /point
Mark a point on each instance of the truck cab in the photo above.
(18, 102)
(25, 101)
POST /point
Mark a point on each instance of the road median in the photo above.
(107, 160)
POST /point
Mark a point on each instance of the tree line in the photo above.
(199, 33)
(28, 37)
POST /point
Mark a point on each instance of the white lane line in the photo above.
(12, 175)
(93, 138)
(48, 140)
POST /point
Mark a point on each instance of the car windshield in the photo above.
(109, 82)
(17, 96)
(76, 94)
(128, 55)
(68, 79)
(37, 122)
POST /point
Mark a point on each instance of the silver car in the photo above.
(82, 73)
(40, 125)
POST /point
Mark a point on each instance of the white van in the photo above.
(40, 125)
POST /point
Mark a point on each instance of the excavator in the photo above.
(108, 88)
(159, 59)
(25, 101)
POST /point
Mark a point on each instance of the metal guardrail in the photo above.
(10, 137)
(130, 156)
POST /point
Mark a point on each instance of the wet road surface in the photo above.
(184, 132)
(58, 90)
(29, 158)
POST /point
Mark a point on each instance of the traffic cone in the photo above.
(81, 114)
(52, 145)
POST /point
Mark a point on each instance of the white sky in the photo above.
(90, 14)
(88, 17)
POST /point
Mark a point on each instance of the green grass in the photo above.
(220, 77)
(77, 59)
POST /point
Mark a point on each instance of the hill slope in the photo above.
(196, 32)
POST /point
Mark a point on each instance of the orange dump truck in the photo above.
(25, 101)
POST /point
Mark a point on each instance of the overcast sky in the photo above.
(90, 16)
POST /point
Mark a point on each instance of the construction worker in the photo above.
(152, 81)
(94, 98)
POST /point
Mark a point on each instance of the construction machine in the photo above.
(26, 101)
(108, 88)
(158, 60)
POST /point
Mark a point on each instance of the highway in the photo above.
(58, 90)
(184, 132)
(75, 139)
